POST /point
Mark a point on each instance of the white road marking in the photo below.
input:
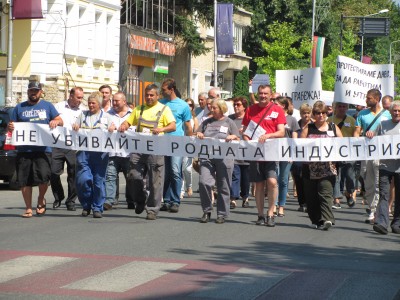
(125, 277)
(26, 265)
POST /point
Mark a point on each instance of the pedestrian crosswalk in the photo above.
(78, 276)
(135, 274)
(29, 264)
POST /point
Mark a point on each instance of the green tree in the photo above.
(241, 84)
(287, 50)
(328, 75)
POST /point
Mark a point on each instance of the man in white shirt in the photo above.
(106, 90)
(69, 111)
(117, 162)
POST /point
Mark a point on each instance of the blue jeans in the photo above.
(283, 181)
(90, 176)
(240, 182)
(173, 180)
(116, 164)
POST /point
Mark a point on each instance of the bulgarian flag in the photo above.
(317, 52)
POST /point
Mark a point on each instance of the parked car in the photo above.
(8, 153)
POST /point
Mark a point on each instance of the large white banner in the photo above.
(301, 85)
(354, 79)
(284, 149)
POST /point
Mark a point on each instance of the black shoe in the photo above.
(380, 229)
(350, 201)
(71, 207)
(131, 205)
(57, 203)
(396, 229)
(139, 208)
(270, 221)
(107, 206)
(302, 209)
(368, 210)
(261, 220)
(220, 220)
(205, 218)
(164, 207)
(97, 214)
(85, 212)
(174, 208)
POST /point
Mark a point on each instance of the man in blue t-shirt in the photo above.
(33, 162)
(173, 164)
(366, 123)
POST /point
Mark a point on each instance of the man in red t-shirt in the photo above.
(264, 120)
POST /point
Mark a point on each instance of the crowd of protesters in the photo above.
(156, 183)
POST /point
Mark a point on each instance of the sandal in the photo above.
(245, 203)
(40, 207)
(27, 214)
(233, 204)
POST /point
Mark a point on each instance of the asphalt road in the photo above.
(123, 256)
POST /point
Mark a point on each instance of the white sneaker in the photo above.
(327, 225)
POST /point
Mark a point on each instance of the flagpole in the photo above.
(9, 72)
(215, 46)
(313, 28)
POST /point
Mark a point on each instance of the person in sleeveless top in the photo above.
(319, 178)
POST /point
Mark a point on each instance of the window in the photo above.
(154, 15)
(99, 48)
(82, 32)
(237, 38)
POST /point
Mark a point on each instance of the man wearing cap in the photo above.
(33, 162)
(69, 111)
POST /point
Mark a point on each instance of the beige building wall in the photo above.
(201, 67)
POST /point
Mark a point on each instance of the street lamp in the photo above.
(390, 50)
(362, 18)
(362, 36)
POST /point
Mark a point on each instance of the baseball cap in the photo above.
(34, 85)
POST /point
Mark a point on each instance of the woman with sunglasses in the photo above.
(319, 178)
(187, 161)
(240, 178)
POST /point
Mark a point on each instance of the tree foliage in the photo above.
(329, 65)
(287, 50)
(241, 84)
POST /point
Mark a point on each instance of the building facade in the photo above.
(195, 74)
(146, 45)
(76, 43)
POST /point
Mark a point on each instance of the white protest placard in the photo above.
(301, 85)
(259, 79)
(327, 97)
(354, 79)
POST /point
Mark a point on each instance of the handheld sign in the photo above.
(259, 79)
(354, 79)
(301, 85)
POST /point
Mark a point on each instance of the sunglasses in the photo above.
(319, 113)
(237, 104)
